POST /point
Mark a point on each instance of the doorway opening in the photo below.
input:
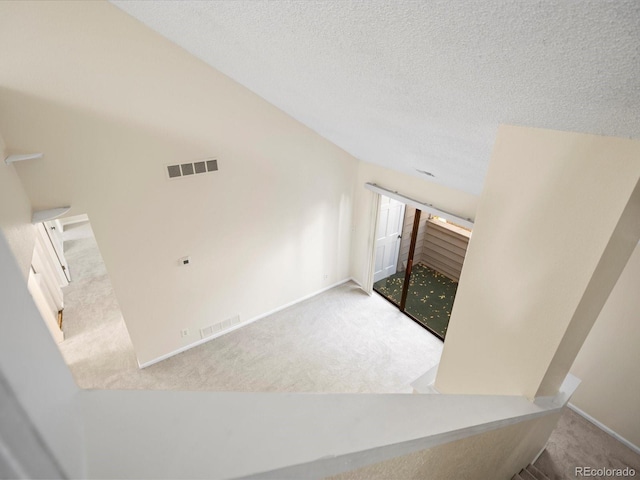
(418, 261)
(72, 289)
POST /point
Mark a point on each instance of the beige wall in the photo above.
(606, 274)
(110, 103)
(15, 214)
(453, 201)
(609, 362)
(521, 288)
(30, 362)
(497, 455)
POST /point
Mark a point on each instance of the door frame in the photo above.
(412, 251)
(373, 225)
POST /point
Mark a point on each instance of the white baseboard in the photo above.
(240, 325)
(425, 383)
(601, 426)
(368, 292)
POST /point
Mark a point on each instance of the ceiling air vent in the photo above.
(189, 169)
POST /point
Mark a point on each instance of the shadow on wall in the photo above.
(266, 229)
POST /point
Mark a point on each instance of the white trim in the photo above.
(603, 427)
(19, 158)
(425, 207)
(43, 242)
(240, 325)
(352, 279)
(40, 216)
(425, 383)
(373, 226)
(567, 389)
(83, 217)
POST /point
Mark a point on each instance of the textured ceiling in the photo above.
(422, 85)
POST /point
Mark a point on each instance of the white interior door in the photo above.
(388, 237)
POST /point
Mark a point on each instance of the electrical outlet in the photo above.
(325, 276)
(184, 332)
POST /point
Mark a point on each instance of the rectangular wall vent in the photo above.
(174, 171)
(187, 169)
(220, 326)
(194, 168)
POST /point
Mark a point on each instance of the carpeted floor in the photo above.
(429, 298)
(578, 443)
(341, 341)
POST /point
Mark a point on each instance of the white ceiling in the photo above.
(422, 84)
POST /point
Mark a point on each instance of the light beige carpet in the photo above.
(340, 341)
(578, 443)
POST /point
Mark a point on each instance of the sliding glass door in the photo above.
(421, 278)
